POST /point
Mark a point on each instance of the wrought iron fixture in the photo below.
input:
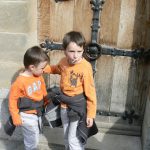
(130, 115)
(94, 50)
(60, 0)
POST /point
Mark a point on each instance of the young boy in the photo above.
(76, 78)
(28, 95)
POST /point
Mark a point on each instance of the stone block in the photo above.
(18, 31)
(14, 16)
(13, 47)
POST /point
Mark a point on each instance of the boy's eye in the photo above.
(75, 51)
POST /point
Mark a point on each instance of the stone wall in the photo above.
(146, 128)
(146, 123)
(18, 31)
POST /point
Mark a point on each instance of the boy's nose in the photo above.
(75, 55)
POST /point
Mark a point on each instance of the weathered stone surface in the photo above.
(146, 128)
(14, 16)
(11, 54)
(12, 46)
(18, 31)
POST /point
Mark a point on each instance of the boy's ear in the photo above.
(31, 67)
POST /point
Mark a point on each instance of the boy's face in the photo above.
(74, 53)
(38, 70)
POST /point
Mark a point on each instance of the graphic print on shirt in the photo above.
(74, 78)
(35, 86)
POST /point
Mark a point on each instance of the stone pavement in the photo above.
(101, 141)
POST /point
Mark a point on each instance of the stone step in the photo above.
(100, 141)
(119, 129)
(52, 139)
(18, 145)
(116, 125)
(42, 146)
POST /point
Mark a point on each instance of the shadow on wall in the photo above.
(4, 117)
(139, 76)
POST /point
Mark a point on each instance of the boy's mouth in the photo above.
(74, 61)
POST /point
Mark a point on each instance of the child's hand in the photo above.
(89, 122)
(17, 122)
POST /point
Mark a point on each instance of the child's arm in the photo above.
(13, 100)
(55, 69)
(52, 69)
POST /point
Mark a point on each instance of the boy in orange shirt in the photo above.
(76, 78)
(28, 95)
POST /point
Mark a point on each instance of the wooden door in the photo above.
(121, 82)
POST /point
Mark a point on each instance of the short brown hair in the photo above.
(73, 36)
(34, 56)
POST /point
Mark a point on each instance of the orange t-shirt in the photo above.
(76, 79)
(30, 87)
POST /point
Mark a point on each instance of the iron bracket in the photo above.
(50, 45)
(60, 1)
(130, 115)
(127, 115)
(93, 50)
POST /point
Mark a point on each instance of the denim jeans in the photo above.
(70, 128)
(30, 130)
